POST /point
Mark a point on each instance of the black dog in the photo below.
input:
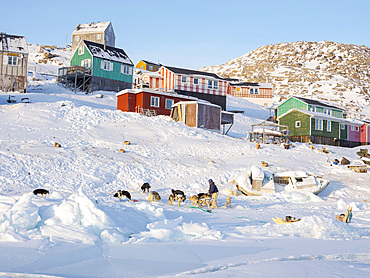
(120, 193)
(145, 187)
(40, 191)
(176, 193)
(203, 195)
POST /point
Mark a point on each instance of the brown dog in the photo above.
(204, 199)
(195, 200)
(228, 202)
(153, 196)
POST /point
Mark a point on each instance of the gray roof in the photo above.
(317, 103)
(194, 72)
(109, 53)
(13, 43)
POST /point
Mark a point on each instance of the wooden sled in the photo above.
(279, 220)
(345, 217)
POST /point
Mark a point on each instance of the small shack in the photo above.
(13, 63)
(269, 132)
(201, 114)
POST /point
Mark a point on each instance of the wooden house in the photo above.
(148, 102)
(13, 63)
(305, 104)
(365, 133)
(100, 32)
(354, 128)
(202, 85)
(95, 66)
(315, 127)
(258, 93)
(149, 66)
(201, 114)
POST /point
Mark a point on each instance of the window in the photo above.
(86, 63)
(256, 91)
(318, 124)
(98, 36)
(251, 91)
(357, 128)
(298, 124)
(77, 38)
(342, 126)
(327, 111)
(328, 126)
(150, 67)
(183, 79)
(106, 65)
(196, 81)
(212, 84)
(154, 101)
(169, 103)
(126, 70)
(238, 89)
(81, 50)
(12, 60)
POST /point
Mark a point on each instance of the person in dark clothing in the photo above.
(213, 190)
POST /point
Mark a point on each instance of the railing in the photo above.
(148, 112)
(74, 70)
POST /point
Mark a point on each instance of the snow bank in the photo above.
(177, 230)
(309, 227)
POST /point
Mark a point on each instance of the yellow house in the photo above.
(146, 65)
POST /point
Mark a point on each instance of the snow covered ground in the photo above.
(80, 230)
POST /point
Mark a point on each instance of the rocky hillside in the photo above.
(329, 71)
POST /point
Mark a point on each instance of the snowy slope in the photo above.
(80, 230)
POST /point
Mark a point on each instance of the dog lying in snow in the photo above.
(41, 191)
(228, 202)
(153, 196)
(120, 193)
(145, 187)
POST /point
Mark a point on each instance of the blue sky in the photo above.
(192, 34)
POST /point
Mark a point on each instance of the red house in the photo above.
(202, 85)
(148, 102)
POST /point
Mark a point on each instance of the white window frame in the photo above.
(328, 126)
(167, 102)
(297, 124)
(196, 81)
(256, 91)
(77, 38)
(98, 36)
(352, 128)
(357, 128)
(86, 63)
(150, 67)
(210, 84)
(13, 60)
(183, 79)
(106, 65)
(342, 126)
(251, 91)
(318, 124)
(154, 101)
(81, 50)
(215, 84)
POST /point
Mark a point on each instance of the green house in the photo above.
(315, 127)
(305, 104)
(109, 67)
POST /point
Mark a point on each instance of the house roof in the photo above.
(250, 84)
(109, 53)
(13, 43)
(316, 115)
(151, 63)
(317, 103)
(94, 27)
(150, 91)
(193, 72)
